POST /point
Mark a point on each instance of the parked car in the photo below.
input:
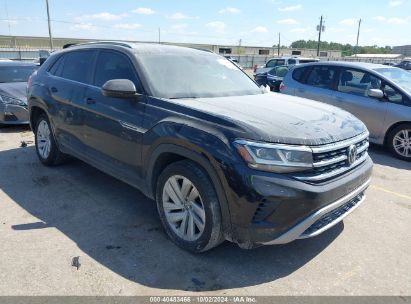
(275, 77)
(235, 61)
(13, 83)
(405, 65)
(379, 95)
(222, 159)
(289, 61)
(272, 78)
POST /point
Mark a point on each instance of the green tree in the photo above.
(346, 49)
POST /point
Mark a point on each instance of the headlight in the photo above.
(275, 157)
(11, 100)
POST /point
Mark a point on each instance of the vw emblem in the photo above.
(351, 154)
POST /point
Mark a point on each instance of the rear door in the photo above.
(68, 80)
(113, 126)
(318, 83)
(352, 95)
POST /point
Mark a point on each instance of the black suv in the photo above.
(222, 159)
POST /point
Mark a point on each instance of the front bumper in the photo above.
(13, 114)
(276, 209)
(325, 218)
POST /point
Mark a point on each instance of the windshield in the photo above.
(195, 76)
(15, 73)
(279, 71)
(400, 77)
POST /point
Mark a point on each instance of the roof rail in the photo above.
(125, 44)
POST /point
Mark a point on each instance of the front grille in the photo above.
(331, 160)
(10, 117)
(332, 216)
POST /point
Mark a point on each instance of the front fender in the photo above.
(206, 149)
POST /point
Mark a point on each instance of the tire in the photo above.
(202, 222)
(399, 141)
(46, 147)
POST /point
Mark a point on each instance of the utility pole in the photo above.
(279, 44)
(239, 48)
(320, 29)
(48, 20)
(358, 37)
(159, 36)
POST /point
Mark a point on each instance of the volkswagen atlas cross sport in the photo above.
(222, 159)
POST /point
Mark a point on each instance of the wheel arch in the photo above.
(35, 109)
(167, 153)
(392, 127)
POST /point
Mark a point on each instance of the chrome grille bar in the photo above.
(332, 159)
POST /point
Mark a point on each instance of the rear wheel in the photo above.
(188, 207)
(399, 141)
(46, 147)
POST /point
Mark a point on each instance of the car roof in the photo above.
(294, 57)
(16, 63)
(143, 48)
(347, 64)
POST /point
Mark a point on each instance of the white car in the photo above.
(272, 63)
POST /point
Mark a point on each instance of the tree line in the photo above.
(346, 49)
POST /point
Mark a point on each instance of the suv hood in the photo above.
(279, 118)
(14, 89)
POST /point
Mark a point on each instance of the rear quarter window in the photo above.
(298, 74)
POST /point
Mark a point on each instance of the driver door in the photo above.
(113, 126)
(352, 95)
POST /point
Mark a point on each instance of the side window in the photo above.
(78, 66)
(271, 63)
(291, 61)
(321, 76)
(392, 94)
(57, 67)
(357, 82)
(112, 65)
(298, 74)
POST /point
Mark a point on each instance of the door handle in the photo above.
(53, 90)
(90, 100)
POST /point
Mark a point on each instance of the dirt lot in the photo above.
(50, 215)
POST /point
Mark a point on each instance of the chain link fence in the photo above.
(246, 61)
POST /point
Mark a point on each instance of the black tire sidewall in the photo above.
(212, 233)
(390, 138)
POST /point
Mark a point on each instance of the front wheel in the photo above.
(188, 207)
(399, 141)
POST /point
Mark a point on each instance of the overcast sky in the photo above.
(385, 22)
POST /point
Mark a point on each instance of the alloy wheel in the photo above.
(402, 143)
(183, 208)
(43, 139)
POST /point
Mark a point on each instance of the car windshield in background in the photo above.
(15, 73)
(398, 76)
(195, 76)
(279, 71)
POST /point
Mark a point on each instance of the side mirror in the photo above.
(119, 88)
(375, 93)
